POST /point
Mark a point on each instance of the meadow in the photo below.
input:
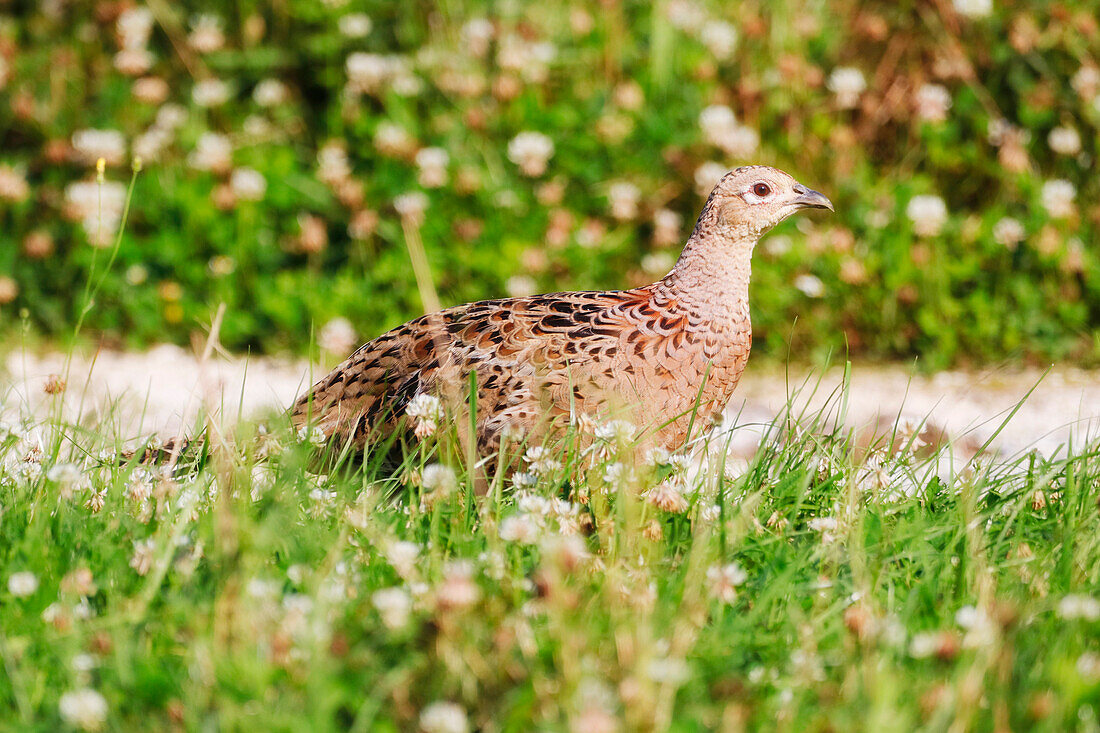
(826, 584)
(297, 176)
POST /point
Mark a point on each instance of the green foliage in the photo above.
(619, 91)
(823, 585)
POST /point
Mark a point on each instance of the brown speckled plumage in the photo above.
(651, 351)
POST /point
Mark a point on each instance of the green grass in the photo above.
(894, 590)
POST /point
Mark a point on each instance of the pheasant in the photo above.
(664, 353)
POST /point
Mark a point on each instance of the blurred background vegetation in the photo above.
(287, 149)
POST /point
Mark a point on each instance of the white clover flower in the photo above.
(1065, 140)
(615, 430)
(393, 140)
(823, 524)
(411, 206)
(133, 61)
(720, 38)
(666, 226)
(337, 336)
(724, 580)
(531, 151)
(707, 177)
(444, 717)
(405, 83)
(144, 554)
(83, 663)
(980, 629)
(742, 142)
(687, 15)
(248, 184)
(617, 473)
(402, 555)
(998, 130)
(540, 460)
(369, 73)
(624, 197)
(974, 8)
(150, 90)
(518, 286)
(668, 670)
(720, 128)
(477, 33)
(923, 645)
(64, 473)
(85, 709)
(1008, 232)
(810, 285)
(679, 463)
(171, 116)
(96, 501)
(134, 26)
(100, 222)
(210, 93)
(355, 25)
(91, 145)
(150, 144)
(847, 83)
(312, 434)
(458, 589)
(710, 513)
(1088, 666)
(433, 167)
(332, 163)
(928, 214)
(1058, 196)
(658, 263)
(439, 479)
(213, 152)
(206, 33)
(98, 206)
(519, 528)
(658, 456)
(524, 480)
(933, 102)
(83, 610)
(533, 504)
(529, 60)
(322, 499)
(13, 184)
(715, 121)
(426, 411)
(968, 616)
(1086, 82)
(667, 497)
(564, 509)
(394, 605)
(1075, 606)
(270, 93)
(22, 584)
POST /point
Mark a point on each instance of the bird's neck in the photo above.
(711, 278)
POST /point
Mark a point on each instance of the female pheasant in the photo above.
(663, 353)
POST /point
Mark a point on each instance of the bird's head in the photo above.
(754, 198)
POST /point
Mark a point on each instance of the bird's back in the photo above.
(537, 360)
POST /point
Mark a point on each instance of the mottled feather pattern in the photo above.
(654, 351)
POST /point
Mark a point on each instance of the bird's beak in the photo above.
(810, 199)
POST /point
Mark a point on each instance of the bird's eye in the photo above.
(761, 189)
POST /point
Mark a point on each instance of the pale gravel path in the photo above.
(163, 389)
